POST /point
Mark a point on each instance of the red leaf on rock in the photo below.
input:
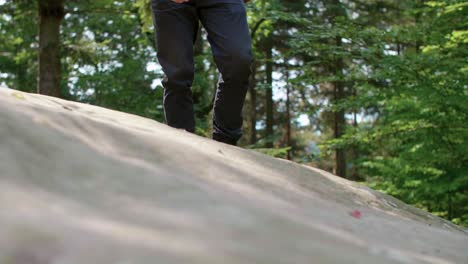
(356, 214)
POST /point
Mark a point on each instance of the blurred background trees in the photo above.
(374, 91)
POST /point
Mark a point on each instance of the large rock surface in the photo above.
(81, 184)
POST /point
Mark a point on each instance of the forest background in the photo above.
(374, 91)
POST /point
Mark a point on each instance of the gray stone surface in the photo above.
(82, 184)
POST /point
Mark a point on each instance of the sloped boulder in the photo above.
(82, 184)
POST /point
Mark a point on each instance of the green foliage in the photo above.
(17, 45)
(417, 147)
(274, 152)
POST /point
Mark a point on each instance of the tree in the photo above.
(51, 13)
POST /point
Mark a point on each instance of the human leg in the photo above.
(176, 27)
(229, 37)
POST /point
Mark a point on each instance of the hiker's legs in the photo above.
(176, 27)
(229, 37)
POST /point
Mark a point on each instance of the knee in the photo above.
(180, 74)
(177, 77)
(237, 64)
(177, 84)
(242, 59)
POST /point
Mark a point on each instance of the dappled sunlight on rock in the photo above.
(84, 184)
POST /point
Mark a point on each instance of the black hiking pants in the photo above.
(176, 27)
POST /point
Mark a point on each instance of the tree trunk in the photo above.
(253, 104)
(288, 115)
(252, 86)
(269, 95)
(339, 131)
(51, 13)
(355, 151)
(417, 19)
(336, 9)
(340, 120)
